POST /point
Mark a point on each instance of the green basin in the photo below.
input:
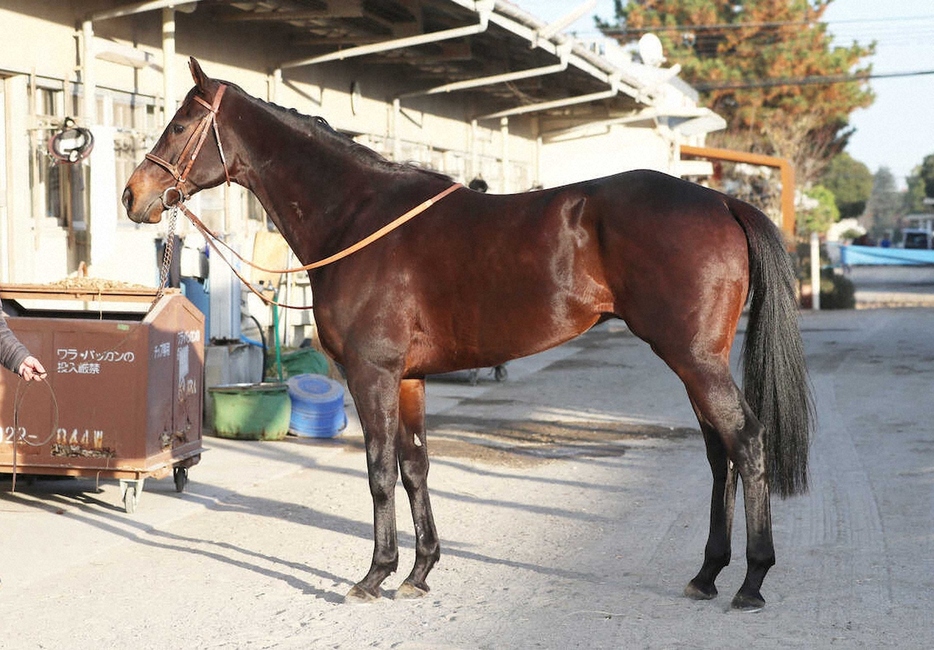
(251, 411)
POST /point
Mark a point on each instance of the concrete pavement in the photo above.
(572, 505)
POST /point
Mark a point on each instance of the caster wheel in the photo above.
(180, 474)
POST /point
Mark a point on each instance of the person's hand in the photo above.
(30, 369)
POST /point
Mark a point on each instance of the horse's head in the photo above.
(187, 158)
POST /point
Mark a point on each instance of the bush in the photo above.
(836, 291)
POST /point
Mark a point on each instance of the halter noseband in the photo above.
(192, 149)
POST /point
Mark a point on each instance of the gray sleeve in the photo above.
(12, 352)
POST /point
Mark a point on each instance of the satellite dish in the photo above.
(650, 50)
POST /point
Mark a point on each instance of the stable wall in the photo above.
(613, 150)
(435, 132)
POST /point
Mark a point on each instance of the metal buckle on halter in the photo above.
(165, 197)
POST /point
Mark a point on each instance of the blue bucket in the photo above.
(317, 406)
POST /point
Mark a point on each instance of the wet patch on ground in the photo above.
(527, 442)
(577, 363)
(602, 335)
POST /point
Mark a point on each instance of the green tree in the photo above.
(885, 207)
(851, 184)
(914, 195)
(823, 212)
(926, 174)
(768, 67)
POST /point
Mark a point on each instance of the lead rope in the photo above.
(17, 402)
(214, 241)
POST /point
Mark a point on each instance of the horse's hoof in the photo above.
(696, 592)
(748, 603)
(408, 591)
(358, 595)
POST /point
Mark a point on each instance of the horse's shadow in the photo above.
(80, 501)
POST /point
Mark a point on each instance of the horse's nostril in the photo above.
(128, 198)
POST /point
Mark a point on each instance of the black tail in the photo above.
(775, 378)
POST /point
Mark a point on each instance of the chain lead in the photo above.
(166, 255)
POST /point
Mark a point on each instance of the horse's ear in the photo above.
(197, 73)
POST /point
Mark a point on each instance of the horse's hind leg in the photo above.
(720, 403)
(413, 461)
(717, 553)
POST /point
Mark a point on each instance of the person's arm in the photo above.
(15, 357)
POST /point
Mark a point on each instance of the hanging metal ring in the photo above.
(166, 195)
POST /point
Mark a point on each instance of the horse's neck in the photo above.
(278, 164)
(305, 186)
(321, 194)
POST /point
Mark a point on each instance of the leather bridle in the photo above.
(191, 150)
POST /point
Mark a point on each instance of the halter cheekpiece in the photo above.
(191, 150)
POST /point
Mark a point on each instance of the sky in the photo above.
(897, 131)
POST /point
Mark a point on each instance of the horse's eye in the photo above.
(178, 128)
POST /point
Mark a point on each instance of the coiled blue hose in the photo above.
(317, 406)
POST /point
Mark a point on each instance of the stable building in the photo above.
(474, 89)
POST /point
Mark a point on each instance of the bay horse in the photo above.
(479, 279)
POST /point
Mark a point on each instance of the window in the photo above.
(59, 191)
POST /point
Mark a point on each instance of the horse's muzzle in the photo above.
(151, 213)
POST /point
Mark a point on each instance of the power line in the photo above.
(887, 19)
(893, 30)
(888, 33)
(761, 25)
(709, 27)
(803, 81)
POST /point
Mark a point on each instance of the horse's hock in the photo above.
(123, 397)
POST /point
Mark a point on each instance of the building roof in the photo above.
(490, 50)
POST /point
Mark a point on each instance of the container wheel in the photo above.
(181, 478)
(500, 373)
(131, 492)
(130, 499)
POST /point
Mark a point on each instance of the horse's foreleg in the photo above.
(376, 394)
(718, 551)
(413, 461)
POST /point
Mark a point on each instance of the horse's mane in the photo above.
(319, 127)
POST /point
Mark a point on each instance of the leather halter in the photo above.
(192, 149)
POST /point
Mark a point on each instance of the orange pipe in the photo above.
(784, 166)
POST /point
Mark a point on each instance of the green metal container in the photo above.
(251, 411)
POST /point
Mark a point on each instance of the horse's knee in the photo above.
(382, 484)
(414, 473)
